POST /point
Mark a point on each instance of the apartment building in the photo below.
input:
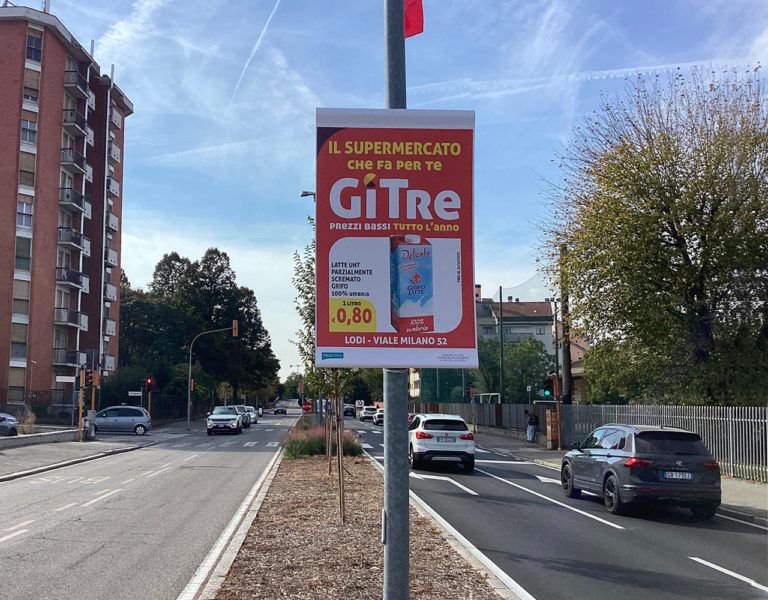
(61, 171)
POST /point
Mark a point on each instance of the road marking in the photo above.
(91, 480)
(548, 499)
(481, 451)
(272, 444)
(547, 479)
(146, 472)
(229, 443)
(361, 431)
(444, 478)
(190, 457)
(179, 445)
(249, 444)
(366, 446)
(751, 582)
(22, 524)
(66, 506)
(103, 496)
(158, 472)
(382, 445)
(128, 480)
(743, 522)
(13, 535)
(501, 462)
(378, 431)
(270, 429)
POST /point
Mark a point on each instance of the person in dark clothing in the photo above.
(533, 422)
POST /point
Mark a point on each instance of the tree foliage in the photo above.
(662, 210)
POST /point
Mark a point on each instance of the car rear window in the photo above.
(444, 425)
(669, 442)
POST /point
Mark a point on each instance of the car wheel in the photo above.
(566, 478)
(704, 511)
(414, 462)
(239, 430)
(469, 466)
(12, 432)
(139, 430)
(611, 496)
(210, 432)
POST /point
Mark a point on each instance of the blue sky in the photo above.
(222, 141)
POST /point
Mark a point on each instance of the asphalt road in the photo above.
(515, 514)
(132, 525)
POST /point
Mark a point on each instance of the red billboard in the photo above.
(394, 224)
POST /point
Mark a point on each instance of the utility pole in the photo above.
(501, 347)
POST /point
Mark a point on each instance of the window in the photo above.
(23, 253)
(20, 297)
(34, 45)
(539, 331)
(487, 330)
(27, 169)
(613, 440)
(16, 377)
(31, 85)
(28, 126)
(62, 298)
(593, 440)
(18, 340)
(23, 214)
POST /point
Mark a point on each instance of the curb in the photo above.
(74, 461)
(459, 545)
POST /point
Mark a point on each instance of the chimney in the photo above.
(478, 294)
(509, 298)
(517, 299)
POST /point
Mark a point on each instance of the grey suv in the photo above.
(123, 419)
(640, 463)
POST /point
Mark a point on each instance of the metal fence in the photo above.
(737, 436)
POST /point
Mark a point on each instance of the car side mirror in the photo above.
(2, 419)
(576, 445)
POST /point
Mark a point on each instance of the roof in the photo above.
(523, 310)
(642, 428)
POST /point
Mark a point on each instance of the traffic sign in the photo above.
(135, 393)
(307, 406)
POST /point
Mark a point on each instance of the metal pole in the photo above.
(189, 372)
(501, 348)
(396, 512)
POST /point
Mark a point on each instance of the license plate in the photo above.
(446, 439)
(676, 475)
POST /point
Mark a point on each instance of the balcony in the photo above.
(113, 223)
(75, 239)
(110, 257)
(88, 173)
(91, 100)
(68, 316)
(73, 199)
(73, 161)
(108, 364)
(71, 358)
(115, 119)
(113, 187)
(89, 135)
(72, 277)
(114, 153)
(110, 327)
(74, 122)
(76, 84)
(110, 292)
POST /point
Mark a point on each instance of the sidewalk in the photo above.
(741, 499)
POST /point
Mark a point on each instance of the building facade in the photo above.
(61, 172)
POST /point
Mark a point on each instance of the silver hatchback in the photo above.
(124, 419)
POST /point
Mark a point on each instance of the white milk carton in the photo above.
(411, 284)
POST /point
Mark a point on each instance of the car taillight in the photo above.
(638, 463)
(467, 436)
(420, 435)
(711, 465)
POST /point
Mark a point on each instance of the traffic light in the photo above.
(88, 378)
(235, 325)
(96, 379)
(469, 391)
(82, 378)
(192, 385)
(148, 383)
(548, 387)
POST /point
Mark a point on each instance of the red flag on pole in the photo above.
(414, 17)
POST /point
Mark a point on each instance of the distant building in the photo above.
(61, 173)
(520, 320)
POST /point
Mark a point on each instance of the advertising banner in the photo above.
(394, 221)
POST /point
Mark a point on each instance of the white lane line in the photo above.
(146, 472)
(66, 506)
(751, 582)
(249, 444)
(548, 499)
(270, 429)
(22, 524)
(547, 479)
(378, 431)
(158, 472)
(481, 451)
(366, 446)
(361, 431)
(444, 478)
(500, 462)
(743, 522)
(128, 480)
(189, 457)
(103, 496)
(13, 535)
(382, 445)
(272, 444)
(379, 457)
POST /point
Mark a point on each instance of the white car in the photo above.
(378, 417)
(440, 438)
(367, 413)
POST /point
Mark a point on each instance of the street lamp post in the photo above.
(557, 372)
(189, 373)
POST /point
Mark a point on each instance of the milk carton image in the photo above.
(411, 284)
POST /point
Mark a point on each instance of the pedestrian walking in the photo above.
(533, 422)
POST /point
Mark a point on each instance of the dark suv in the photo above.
(640, 463)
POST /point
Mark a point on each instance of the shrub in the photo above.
(310, 441)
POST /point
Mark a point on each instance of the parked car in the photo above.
(253, 414)
(226, 419)
(440, 438)
(123, 419)
(281, 409)
(349, 411)
(246, 416)
(9, 425)
(378, 417)
(628, 464)
(367, 413)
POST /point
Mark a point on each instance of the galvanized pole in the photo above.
(501, 348)
(396, 511)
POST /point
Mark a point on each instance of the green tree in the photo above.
(662, 210)
(525, 363)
